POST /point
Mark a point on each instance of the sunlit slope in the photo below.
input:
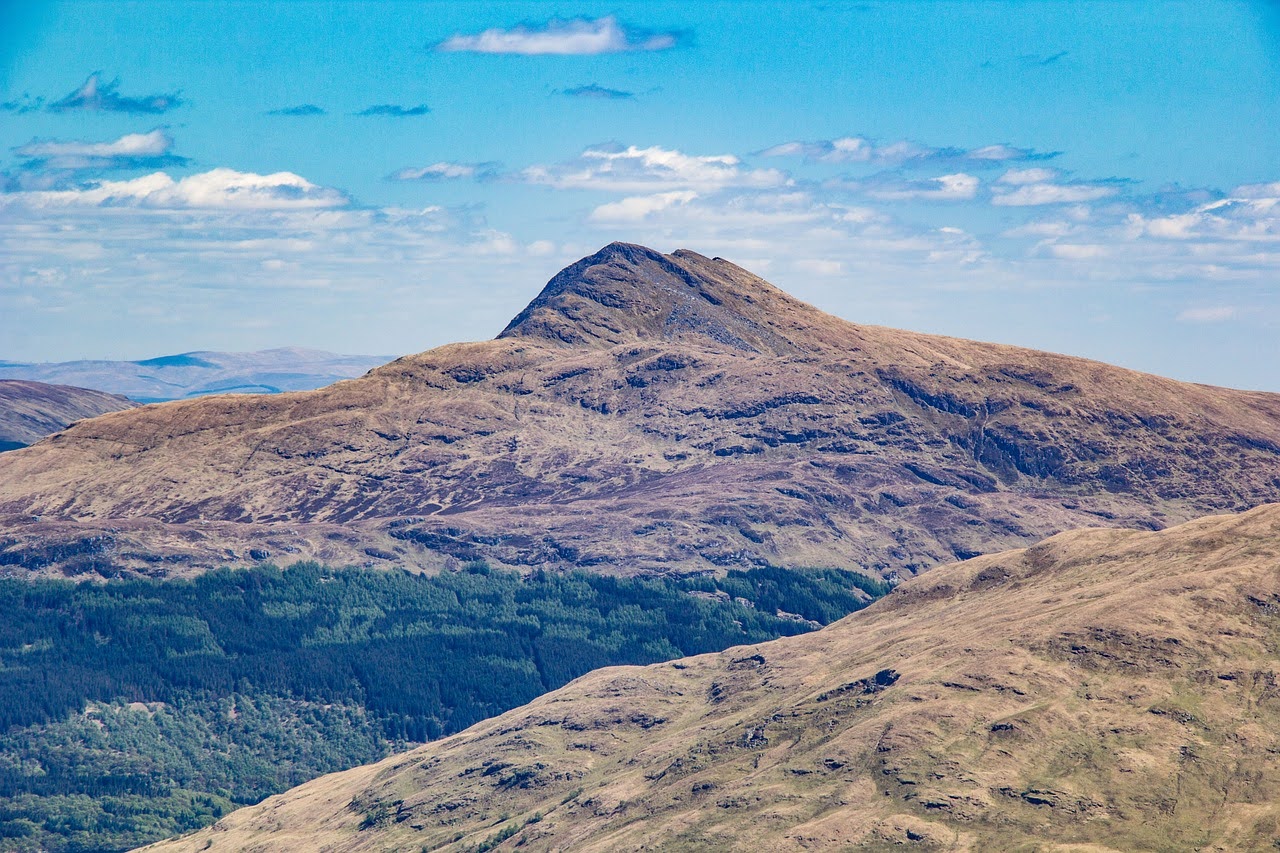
(1111, 689)
(648, 412)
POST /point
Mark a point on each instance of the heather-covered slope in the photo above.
(647, 412)
(1102, 690)
(31, 410)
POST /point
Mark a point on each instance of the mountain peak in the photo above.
(625, 293)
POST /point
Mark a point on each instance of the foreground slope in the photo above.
(31, 410)
(647, 412)
(1115, 689)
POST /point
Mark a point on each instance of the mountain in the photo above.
(1103, 690)
(31, 410)
(646, 413)
(195, 374)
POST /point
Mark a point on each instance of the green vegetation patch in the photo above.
(134, 710)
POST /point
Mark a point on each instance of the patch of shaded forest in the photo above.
(245, 683)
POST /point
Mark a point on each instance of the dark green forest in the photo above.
(138, 709)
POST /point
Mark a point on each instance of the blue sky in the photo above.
(1095, 178)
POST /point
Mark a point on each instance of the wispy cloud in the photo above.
(1019, 177)
(576, 37)
(24, 103)
(394, 111)
(649, 169)
(860, 149)
(299, 111)
(97, 96)
(292, 273)
(131, 151)
(217, 189)
(955, 187)
(1030, 195)
(598, 92)
(1211, 314)
(446, 171)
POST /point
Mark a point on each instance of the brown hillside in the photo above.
(1102, 690)
(31, 410)
(647, 412)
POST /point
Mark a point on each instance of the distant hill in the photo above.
(1104, 690)
(31, 410)
(646, 413)
(195, 374)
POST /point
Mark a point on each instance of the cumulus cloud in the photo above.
(638, 208)
(576, 37)
(1258, 191)
(394, 111)
(298, 111)
(445, 171)
(598, 92)
(634, 169)
(133, 150)
(97, 96)
(860, 149)
(217, 189)
(1247, 215)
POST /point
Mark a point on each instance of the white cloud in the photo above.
(153, 144)
(1214, 314)
(818, 266)
(1078, 251)
(859, 149)
(217, 189)
(634, 169)
(851, 149)
(1029, 195)
(444, 171)
(1258, 191)
(1251, 217)
(1000, 153)
(636, 208)
(143, 273)
(957, 187)
(577, 37)
(133, 150)
(1018, 177)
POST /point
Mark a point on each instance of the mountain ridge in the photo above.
(597, 432)
(200, 372)
(31, 410)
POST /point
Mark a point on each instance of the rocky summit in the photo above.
(1103, 690)
(645, 413)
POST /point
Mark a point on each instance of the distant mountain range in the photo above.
(646, 413)
(196, 374)
(31, 410)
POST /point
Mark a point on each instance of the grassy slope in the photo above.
(1103, 690)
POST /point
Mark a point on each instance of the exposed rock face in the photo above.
(1102, 690)
(31, 410)
(648, 412)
